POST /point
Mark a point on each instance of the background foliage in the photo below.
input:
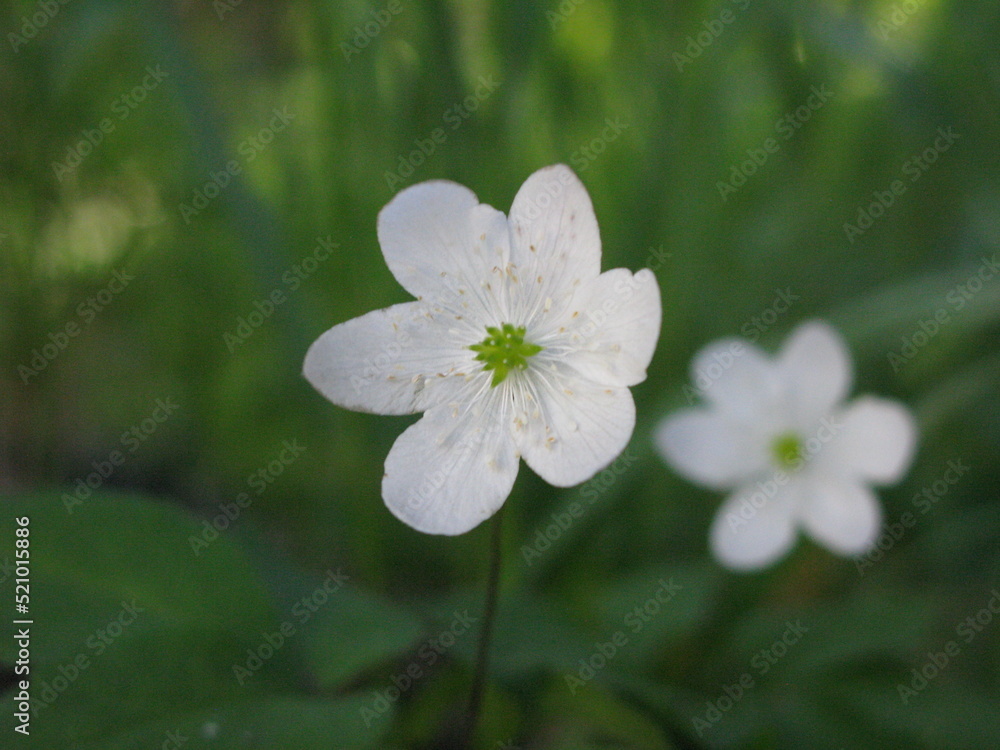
(599, 85)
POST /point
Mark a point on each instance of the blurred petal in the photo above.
(737, 377)
(708, 448)
(609, 333)
(573, 429)
(443, 246)
(841, 515)
(554, 238)
(876, 440)
(816, 366)
(453, 469)
(399, 360)
(755, 526)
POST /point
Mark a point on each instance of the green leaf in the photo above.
(593, 717)
(285, 722)
(355, 632)
(115, 552)
(655, 608)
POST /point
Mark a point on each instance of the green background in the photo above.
(898, 71)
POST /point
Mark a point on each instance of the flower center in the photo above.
(787, 450)
(504, 350)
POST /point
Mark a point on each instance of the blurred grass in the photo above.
(653, 186)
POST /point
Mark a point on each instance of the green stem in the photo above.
(486, 632)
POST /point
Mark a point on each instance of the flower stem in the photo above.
(486, 632)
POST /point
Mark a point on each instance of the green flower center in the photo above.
(504, 350)
(787, 450)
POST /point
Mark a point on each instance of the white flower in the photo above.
(775, 430)
(516, 346)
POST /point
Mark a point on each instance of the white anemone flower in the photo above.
(777, 433)
(516, 346)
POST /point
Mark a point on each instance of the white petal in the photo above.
(555, 242)
(875, 440)
(441, 244)
(400, 360)
(756, 525)
(842, 515)
(568, 429)
(609, 333)
(816, 365)
(740, 379)
(453, 469)
(708, 448)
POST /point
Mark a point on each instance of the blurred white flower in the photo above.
(517, 345)
(776, 432)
